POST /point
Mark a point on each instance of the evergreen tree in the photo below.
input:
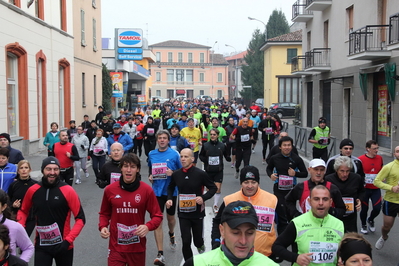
(106, 88)
(277, 24)
(252, 73)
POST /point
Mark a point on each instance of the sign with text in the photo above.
(117, 84)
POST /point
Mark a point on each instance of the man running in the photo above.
(243, 137)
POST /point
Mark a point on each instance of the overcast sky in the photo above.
(197, 21)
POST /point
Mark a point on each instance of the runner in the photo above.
(320, 138)
(193, 136)
(256, 120)
(161, 164)
(111, 172)
(231, 143)
(190, 182)
(267, 127)
(123, 209)
(243, 137)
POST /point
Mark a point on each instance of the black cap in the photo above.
(175, 126)
(346, 142)
(100, 107)
(249, 173)
(6, 136)
(239, 212)
(50, 160)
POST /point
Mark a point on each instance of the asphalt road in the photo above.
(91, 249)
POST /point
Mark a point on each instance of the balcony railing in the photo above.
(318, 57)
(299, 8)
(298, 64)
(394, 29)
(318, 5)
(368, 38)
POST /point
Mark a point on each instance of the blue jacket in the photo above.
(123, 139)
(7, 175)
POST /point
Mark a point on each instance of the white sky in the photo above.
(197, 21)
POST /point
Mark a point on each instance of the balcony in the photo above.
(317, 5)
(298, 65)
(393, 43)
(368, 43)
(318, 60)
(299, 12)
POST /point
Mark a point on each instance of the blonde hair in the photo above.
(23, 162)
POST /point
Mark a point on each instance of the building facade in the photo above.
(234, 76)
(36, 69)
(188, 70)
(280, 84)
(87, 58)
(348, 68)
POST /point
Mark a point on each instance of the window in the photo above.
(83, 90)
(202, 92)
(202, 56)
(170, 93)
(325, 34)
(233, 74)
(220, 77)
(202, 77)
(349, 15)
(39, 9)
(15, 2)
(95, 89)
(170, 75)
(93, 3)
(158, 93)
(189, 75)
(289, 90)
(180, 57)
(220, 94)
(158, 76)
(94, 35)
(158, 56)
(170, 57)
(291, 53)
(190, 94)
(12, 94)
(179, 75)
(190, 57)
(82, 28)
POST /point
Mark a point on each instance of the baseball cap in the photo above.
(105, 117)
(249, 172)
(116, 125)
(317, 162)
(239, 212)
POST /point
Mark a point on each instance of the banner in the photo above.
(117, 84)
(383, 128)
(141, 100)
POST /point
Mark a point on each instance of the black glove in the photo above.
(61, 248)
(328, 142)
(101, 152)
(321, 142)
(82, 146)
(228, 159)
(253, 141)
(215, 244)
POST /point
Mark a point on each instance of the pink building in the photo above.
(234, 80)
(188, 70)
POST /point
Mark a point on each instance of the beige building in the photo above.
(188, 70)
(36, 69)
(348, 68)
(87, 59)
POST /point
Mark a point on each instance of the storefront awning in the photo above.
(180, 92)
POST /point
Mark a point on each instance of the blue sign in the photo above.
(130, 50)
(130, 56)
(129, 38)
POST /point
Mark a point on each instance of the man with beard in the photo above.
(315, 234)
(54, 202)
(66, 153)
(110, 172)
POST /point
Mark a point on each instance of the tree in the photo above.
(252, 73)
(106, 88)
(277, 24)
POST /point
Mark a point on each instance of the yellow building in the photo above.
(279, 84)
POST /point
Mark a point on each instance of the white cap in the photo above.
(317, 162)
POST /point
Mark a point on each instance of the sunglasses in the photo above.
(348, 149)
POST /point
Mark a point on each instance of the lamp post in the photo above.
(213, 92)
(235, 72)
(262, 23)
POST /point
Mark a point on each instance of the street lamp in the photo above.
(212, 93)
(235, 72)
(262, 23)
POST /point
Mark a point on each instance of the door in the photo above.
(309, 104)
(346, 120)
(327, 101)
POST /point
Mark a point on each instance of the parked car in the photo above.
(259, 102)
(204, 97)
(282, 109)
(161, 99)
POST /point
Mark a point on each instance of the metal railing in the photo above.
(308, 2)
(368, 38)
(301, 135)
(298, 63)
(394, 29)
(318, 57)
(299, 8)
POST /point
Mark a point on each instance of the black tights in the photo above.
(186, 226)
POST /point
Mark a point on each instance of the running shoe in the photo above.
(380, 243)
(159, 260)
(87, 174)
(215, 209)
(77, 182)
(201, 249)
(371, 225)
(263, 161)
(253, 151)
(172, 242)
(232, 165)
(364, 229)
(236, 176)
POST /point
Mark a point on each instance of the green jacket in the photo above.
(320, 236)
(216, 257)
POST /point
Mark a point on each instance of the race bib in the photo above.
(187, 203)
(150, 131)
(127, 234)
(265, 218)
(159, 171)
(192, 145)
(370, 178)
(323, 252)
(325, 140)
(115, 177)
(213, 160)
(49, 235)
(245, 138)
(269, 130)
(97, 150)
(205, 134)
(285, 182)
(349, 204)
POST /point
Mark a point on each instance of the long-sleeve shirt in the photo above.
(390, 174)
